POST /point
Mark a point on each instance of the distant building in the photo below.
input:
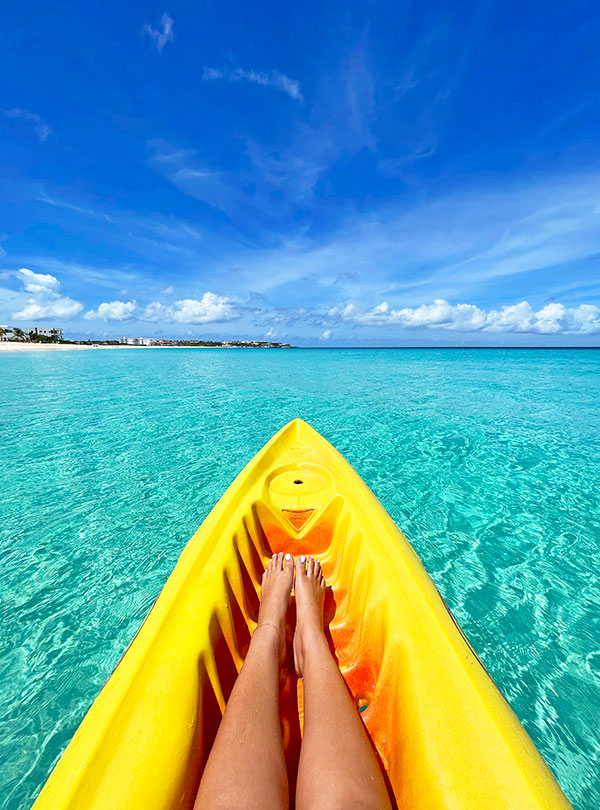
(51, 333)
(14, 333)
(139, 341)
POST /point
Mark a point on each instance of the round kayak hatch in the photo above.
(298, 481)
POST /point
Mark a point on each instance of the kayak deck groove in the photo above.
(445, 736)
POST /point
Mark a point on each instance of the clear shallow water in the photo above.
(488, 460)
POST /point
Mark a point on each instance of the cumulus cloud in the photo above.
(113, 311)
(41, 128)
(210, 308)
(326, 334)
(45, 301)
(271, 78)
(63, 308)
(552, 319)
(38, 283)
(160, 36)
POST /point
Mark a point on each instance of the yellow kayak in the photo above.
(444, 733)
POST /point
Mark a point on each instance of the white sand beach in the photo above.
(14, 346)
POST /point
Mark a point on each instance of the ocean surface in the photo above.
(488, 460)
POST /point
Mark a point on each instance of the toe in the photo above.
(310, 567)
(288, 562)
(301, 565)
(280, 561)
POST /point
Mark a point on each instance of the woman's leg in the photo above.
(338, 769)
(246, 768)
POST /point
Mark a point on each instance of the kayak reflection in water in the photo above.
(246, 767)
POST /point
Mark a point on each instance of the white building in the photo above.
(139, 341)
(51, 333)
(10, 333)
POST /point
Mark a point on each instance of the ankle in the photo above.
(266, 634)
(311, 635)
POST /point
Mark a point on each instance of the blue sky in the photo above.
(326, 174)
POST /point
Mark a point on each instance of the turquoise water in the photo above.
(488, 460)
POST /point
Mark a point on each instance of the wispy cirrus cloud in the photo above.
(160, 36)
(468, 246)
(245, 195)
(473, 244)
(270, 78)
(345, 119)
(43, 197)
(41, 128)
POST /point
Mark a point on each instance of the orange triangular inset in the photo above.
(297, 517)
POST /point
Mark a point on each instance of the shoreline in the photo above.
(9, 346)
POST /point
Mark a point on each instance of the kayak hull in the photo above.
(444, 734)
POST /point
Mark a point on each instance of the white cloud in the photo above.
(42, 130)
(64, 308)
(113, 311)
(161, 36)
(326, 335)
(210, 308)
(45, 301)
(38, 282)
(272, 78)
(275, 334)
(169, 290)
(157, 312)
(552, 319)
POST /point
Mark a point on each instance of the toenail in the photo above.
(303, 559)
(288, 556)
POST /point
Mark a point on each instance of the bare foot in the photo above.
(275, 592)
(310, 596)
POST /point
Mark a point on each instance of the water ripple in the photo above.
(489, 461)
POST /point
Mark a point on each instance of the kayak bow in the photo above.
(444, 734)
